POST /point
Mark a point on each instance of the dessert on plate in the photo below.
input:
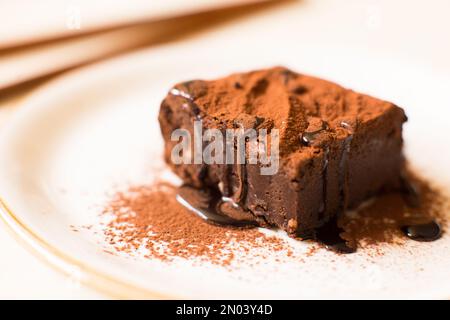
(336, 148)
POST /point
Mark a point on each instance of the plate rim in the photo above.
(65, 264)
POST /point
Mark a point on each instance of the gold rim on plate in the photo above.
(62, 262)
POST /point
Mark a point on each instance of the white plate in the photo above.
(96, 129)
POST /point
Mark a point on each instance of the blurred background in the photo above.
(40, 40)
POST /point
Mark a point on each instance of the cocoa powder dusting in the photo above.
(380, 220)
(150, 218)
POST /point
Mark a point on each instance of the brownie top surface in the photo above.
(279, 98)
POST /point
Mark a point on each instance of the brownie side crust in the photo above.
(337, 147)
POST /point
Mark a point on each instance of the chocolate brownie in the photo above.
(337, 147)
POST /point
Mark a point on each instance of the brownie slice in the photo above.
(337, 147)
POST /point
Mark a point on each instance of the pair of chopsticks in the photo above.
(49, 50)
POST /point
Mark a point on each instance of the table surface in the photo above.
(413, 30)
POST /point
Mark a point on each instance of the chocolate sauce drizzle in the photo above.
(323, 207)
(308, 138)
(214, 208)
(177, 92)
(343, 166)
(330, 236)
(240, 193)
(330, 233)
(424, 232)
(211, 205)
(241, 169)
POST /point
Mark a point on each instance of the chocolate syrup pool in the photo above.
(429, 231)
(212, 207)
(425, 232)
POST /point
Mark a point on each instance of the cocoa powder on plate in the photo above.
(379, 221)
(150, 218)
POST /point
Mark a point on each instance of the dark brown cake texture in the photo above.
(337, 147)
